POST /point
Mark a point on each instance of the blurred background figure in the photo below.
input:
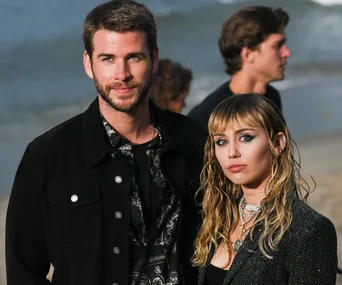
(171, 85)
(252, 45)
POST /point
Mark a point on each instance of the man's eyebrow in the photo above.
(141, 54)
(281, 41)
(105, 55)
(129, 55)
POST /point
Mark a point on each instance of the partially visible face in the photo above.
(271, 57)
(178, 104)
(121, 67)
(244, 155)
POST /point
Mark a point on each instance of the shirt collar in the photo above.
(96, 142)
(116, 140)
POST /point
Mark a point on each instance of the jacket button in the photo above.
(113, 155)
(118, 179)
(118, 215)
(116, 250)
(74, 198)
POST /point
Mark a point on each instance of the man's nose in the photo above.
(122, 71)
(286, 52)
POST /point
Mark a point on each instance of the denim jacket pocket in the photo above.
(72, 208)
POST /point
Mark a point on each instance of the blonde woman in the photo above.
(257, 227)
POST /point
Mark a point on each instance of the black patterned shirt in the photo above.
(154, 212)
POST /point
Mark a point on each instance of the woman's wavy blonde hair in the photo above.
(221, 196)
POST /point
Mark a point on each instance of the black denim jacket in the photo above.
(56, 211)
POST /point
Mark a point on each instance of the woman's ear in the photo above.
(280, 143)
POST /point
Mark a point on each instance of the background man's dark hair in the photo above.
(120, 16)
(171, 80)
(249, 27)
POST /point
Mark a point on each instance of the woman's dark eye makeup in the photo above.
(220, 142)
(241, 137)
(246, 137)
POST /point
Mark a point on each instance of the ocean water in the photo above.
(43, 82)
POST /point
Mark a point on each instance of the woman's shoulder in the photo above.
(305, 218)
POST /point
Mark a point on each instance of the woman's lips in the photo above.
(236, 168)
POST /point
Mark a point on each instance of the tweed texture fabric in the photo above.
(306, 255)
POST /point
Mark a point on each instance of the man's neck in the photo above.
(242, 83)
(135, 126)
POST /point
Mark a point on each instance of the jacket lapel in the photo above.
(203, 269)
(201, 274)
(248, 247)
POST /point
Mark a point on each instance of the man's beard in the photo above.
(140, 95)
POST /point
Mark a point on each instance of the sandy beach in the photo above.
(320, 157)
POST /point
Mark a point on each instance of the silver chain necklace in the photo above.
(253, 210)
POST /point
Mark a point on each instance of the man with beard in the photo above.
(107, 197)
(253, 47)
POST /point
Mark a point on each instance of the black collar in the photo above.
(96, 142)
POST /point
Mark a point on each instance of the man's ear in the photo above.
(155, 60)
(87, 64)
(280, 143)
(247, 55)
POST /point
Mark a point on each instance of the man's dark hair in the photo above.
(119, 16)
(249, 27)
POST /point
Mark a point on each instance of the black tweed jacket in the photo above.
(306, 255)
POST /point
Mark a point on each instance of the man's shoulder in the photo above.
(211, 101)
(182, 125)
(271, 90)
(60, 134)
(274, 95)
(187, 134)
(202, 111)
(69, 132)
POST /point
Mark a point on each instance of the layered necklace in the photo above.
(252, 211)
